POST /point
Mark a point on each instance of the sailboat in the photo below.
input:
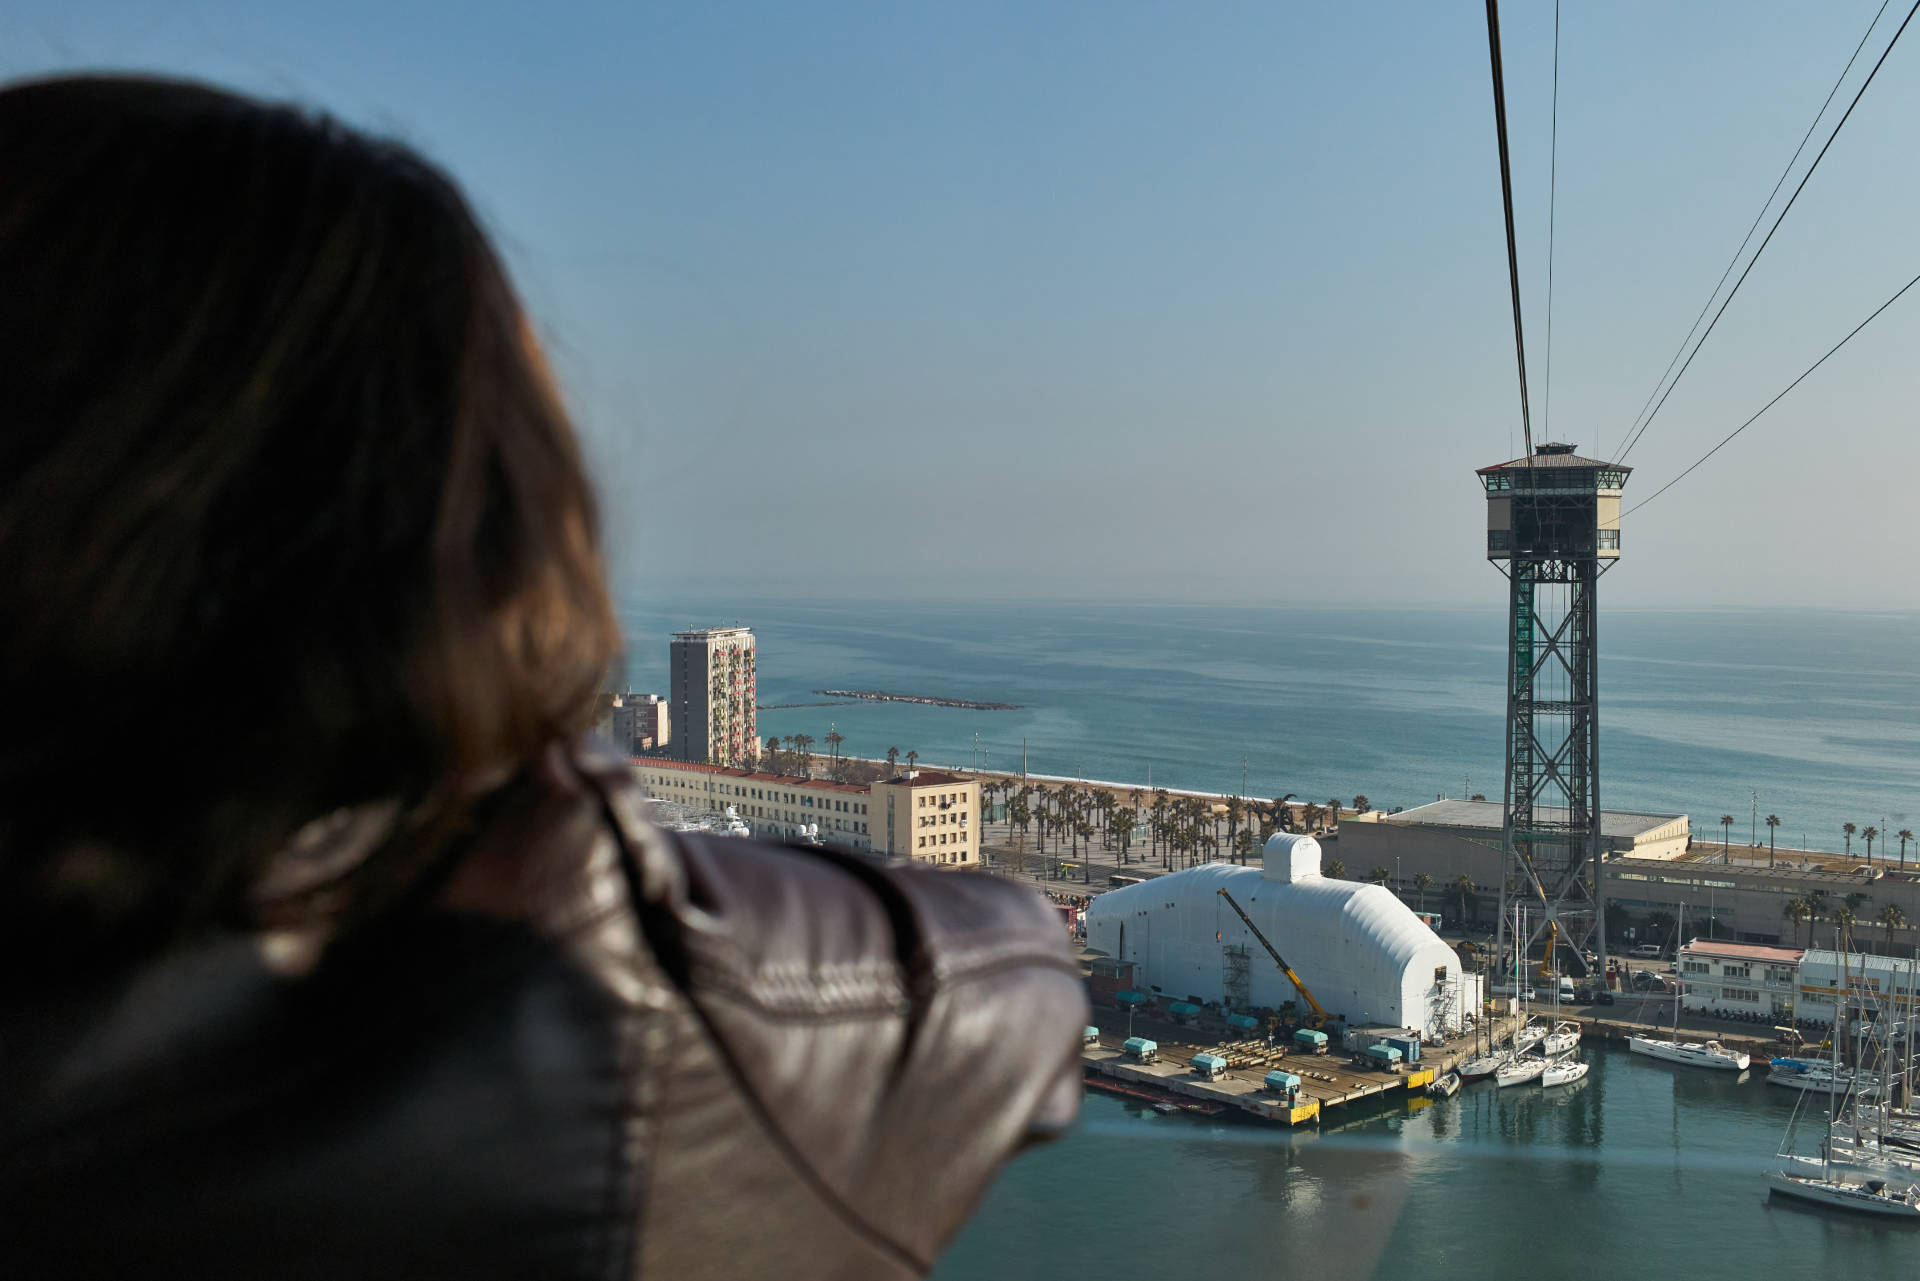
(1518, 1068)
(1706, 1054)
(1825, 1185)
(1563, 1072)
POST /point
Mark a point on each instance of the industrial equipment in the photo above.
(1319, 1015)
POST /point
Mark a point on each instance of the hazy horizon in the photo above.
(1077, 301)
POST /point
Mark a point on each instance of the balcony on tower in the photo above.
(1553, 505)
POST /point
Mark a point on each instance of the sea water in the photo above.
(1811, 716)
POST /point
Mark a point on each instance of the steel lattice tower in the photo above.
(1553, 518)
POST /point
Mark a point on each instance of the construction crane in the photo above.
(1319, 1015)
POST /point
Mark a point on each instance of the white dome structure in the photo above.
(1363, 954)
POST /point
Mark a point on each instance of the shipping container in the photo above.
(1312, 1040)
(1246, 1021)
(1281, 1082)
(1382, 1055)
(1090, 1035)
(1139, 1047)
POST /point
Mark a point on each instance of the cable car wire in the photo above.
(1506, 192)
(1553, 189)
(1765, 205)
(1776, 400)
(1635, 438)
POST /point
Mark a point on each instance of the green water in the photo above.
(1641, 1170)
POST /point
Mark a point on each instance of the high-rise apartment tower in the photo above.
(1553, 525)
(714, 695)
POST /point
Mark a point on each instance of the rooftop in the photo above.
(927, 778)
(1745, 951)
(745, 775)
(1554, 455)
(1488, 816)
(713, 633)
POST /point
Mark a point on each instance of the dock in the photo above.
(1327, 1081)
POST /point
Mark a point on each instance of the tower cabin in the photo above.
(1553, 505)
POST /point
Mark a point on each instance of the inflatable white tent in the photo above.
(1363, 953)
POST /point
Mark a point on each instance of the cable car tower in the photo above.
(1553, 526)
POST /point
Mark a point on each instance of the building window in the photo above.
(1736, 972)
(1609, 540)
(1738, 994)
(1498, 540)
(1698, 967)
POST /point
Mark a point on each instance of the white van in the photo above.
(1646, 951)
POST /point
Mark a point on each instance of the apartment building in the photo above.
(775, 807)
(922, 816)
(714, 694)
(928, 816)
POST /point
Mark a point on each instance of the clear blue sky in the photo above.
(1173, 301)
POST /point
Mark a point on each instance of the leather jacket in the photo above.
(600, 1051)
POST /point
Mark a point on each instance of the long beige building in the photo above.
(920, 816)
(715, 694)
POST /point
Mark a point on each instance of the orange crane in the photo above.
(1319, 1015)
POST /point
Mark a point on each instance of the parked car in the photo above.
(1648, 981)
(1592, 996)
(1646, 951)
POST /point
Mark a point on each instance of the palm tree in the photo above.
(1283, 813)
(1378, 875)
(833, 740)
(1904, 836)
(1421, 881)
(802, 743)
(1773, 821)
(893, 759)
(1123, 823)
(1360, 805)
(1847, 830)
(1462, 889)
(1891, 918)
(911, 758)
(1336, 869)
(1726, 834)
(1333, 812)
(1869, 835)
(1309, 815)
(1799, 910)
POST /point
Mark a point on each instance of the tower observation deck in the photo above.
(1553, 526)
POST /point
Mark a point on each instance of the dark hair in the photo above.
(290, 516)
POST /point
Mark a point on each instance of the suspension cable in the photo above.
(1635, 438)
(1776, 400)
(1553, 188)
(1506, 192)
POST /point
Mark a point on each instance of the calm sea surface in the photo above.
(1817, 713)
(1642, 1169)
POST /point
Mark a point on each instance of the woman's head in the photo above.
(290, 517)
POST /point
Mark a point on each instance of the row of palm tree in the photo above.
(1816, 906)
(1180, 830)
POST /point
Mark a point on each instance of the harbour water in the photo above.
(1636, 1170)
(1640, 1169)
(1816, 712)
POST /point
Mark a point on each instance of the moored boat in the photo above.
(1519, 1071)
(1564, 1072)
(1484, 1065)
(1443, 1087)
(1706, 1054)
(1875, 1196)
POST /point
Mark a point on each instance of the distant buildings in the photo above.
(636, 724)
(919, 816)
(714, 696)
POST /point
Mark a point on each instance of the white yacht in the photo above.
(1527, 1037)
(1484, 1065)
(1875, 1196)
(1562, 1040)
(1564, 1072)
(1810, 1074)
(1519, 1071)
(1707, 1054)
